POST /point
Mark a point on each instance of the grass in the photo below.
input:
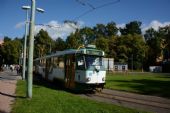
(46, 99)
(144, 83)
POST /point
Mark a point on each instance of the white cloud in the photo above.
(155, 24)
(56, 29)
(120, 25)
(19, 25)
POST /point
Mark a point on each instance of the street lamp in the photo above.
(25, 40)
(31, 49)
(40, 10)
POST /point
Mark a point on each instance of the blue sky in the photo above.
(152, 13)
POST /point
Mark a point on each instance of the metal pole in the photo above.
(132, 62)
(31, 50)
(25, 46)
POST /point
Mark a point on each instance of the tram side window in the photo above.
(61, 62)
(43, 62)
(123, 68)
(55, 62)
(80, 62)
(116, 68)
(58, 62)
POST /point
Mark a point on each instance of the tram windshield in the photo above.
(89, 62)
(93, 61)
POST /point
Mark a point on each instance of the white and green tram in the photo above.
(75, 69)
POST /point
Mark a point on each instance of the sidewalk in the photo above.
(8, 82)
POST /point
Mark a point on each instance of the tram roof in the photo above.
(69, 51)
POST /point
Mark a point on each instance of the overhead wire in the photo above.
(85, 3)
(94, 8)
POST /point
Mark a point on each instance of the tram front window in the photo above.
(89, 62)
(80, 62)
(92, 61)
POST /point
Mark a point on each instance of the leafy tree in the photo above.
(153, 41)
(131, 28)
(150, 34)
(6, 39)
(102, 44)
(43, 44)
(60, 44)
(11, 50)
(88, 34)
(74, 40)
(158, 45)
(1, 56)
(164, 33)
(111, 29)
(100, 30)
(112, 46)
(130, 45)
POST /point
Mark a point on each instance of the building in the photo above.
(110, 65)
(120, 67)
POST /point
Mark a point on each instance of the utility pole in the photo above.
(25, 41)
(31, 48)
(132, 63)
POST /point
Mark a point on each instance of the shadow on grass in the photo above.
(3, 111)
(39, 81)
(57, 85)
(148, 87)
(13, 96)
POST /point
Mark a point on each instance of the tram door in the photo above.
(48, 63)
(70, 71)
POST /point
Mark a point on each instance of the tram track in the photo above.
(142, 102)
(134, 100)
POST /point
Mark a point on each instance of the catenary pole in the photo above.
(31, 50)
(25, 44)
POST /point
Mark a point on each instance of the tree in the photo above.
(131, 28)
(111, 29)
(164, 33)
(11, 50)
(112, 46)
(88, 34)
(7, 39)
(158, 45)
(60, 44)
(74, 40)
(153, 41)
(1, 56)
(102, 44)
(43, 44)
(127, 46)
(100, 30)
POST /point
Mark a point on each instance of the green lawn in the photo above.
(47, 99)
(145, 83)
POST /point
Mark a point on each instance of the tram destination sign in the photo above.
(94, 52)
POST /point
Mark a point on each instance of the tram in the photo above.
(75, 69)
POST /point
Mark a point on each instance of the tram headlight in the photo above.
(88, 79)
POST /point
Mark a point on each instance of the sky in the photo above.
(152, 13)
